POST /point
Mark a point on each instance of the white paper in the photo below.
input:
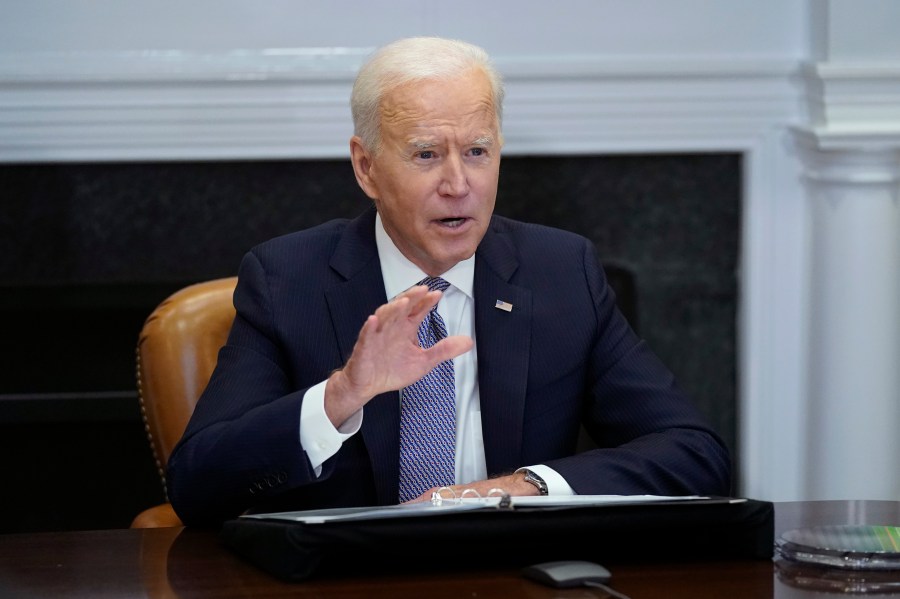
(427, 508)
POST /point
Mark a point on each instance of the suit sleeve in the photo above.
(651, 438)
(242, 442)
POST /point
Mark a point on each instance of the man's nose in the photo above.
(454, 180)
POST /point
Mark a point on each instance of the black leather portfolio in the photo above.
(296, 546)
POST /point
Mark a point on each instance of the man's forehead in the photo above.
(433, 108)
(470, 88)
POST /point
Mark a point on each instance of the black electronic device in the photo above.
(567, 573)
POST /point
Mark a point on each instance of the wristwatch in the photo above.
(537, 481)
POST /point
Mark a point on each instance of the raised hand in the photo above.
(387, 356)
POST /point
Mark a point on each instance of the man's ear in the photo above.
(361, 159)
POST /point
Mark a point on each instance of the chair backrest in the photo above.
(176, 352)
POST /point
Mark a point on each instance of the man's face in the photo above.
(434, 181)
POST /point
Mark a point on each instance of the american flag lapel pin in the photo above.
(501, 305)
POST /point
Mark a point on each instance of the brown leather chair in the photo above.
(176, 352)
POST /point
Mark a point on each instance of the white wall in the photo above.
(644, 28)
(860, 30)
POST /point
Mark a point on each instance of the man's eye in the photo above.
(477, 151)
(426, 155)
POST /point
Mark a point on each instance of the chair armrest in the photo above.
(158, 516)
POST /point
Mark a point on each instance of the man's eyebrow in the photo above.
(484, 140)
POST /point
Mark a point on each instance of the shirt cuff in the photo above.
(318, 437)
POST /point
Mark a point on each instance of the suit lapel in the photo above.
(350, 302)
(503, 339)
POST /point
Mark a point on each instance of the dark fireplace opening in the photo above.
(88, 250)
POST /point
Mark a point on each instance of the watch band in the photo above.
(537, 481)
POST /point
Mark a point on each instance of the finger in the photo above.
(426, 496)
(413, 293)
(412, 305)
(419, 308)
(406, 303)
(449, 348)
(421, 293)
(392, 312)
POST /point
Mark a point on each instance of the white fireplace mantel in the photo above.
(293, 103)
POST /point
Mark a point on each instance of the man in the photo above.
(312, 403)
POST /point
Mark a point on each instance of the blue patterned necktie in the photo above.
(428, 416)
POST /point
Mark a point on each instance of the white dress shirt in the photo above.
(321, 439)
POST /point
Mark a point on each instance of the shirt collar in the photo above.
(400, 274)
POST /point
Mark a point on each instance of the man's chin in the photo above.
(446, 260)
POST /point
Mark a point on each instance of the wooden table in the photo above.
(169, 563)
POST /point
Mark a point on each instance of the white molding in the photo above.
(294, 104)
(848, 97)
(854, 322)
(851, 137)
(849, 159)
(771, 323)
(333, 63)
(856, 158)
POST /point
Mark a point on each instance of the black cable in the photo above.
(605, 589)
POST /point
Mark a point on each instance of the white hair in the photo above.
(413, 59)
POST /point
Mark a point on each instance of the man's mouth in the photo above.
(453, 222)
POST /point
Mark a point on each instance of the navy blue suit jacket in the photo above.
(564, 355)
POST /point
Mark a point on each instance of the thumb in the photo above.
(450, 347)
